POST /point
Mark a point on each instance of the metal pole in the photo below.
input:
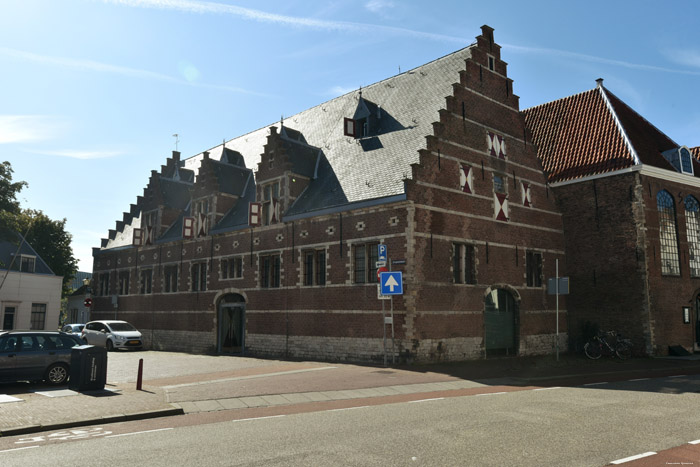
(384, 328)
(557, 290)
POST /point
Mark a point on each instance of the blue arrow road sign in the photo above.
(391, 283)
(382, 252)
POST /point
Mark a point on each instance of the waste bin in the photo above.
(88, 368)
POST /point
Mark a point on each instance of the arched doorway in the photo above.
(231, 325)
(501, 323)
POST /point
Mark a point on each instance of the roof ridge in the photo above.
(558, 100)
(602, 90)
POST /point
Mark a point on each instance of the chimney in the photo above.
(599, 82)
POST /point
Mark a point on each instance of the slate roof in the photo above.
(8, 248)
(367, 168)
(594, 132)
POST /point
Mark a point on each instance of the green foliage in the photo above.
(48, 237)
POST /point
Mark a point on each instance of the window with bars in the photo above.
(38, 318)
(692, 221)
(270, 266)
(170, 279)
(314, 267)
(463, 264)
(199, 277)
(146, 281)
(668, 234)
(124, 283)
(232, 268)
(365, 258)
(533, 266)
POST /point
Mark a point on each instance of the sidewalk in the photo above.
(47, 409)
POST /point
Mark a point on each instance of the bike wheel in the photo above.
(593, 350)
(623, 351)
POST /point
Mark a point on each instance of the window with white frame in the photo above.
(199, 277)
(232, 268)
(365, 258)
(146, 281)
(38, 318)
(668, 234)
(270, 270)
(692, 222)
(170, 279)
(463, 264)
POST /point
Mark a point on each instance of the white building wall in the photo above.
(21, 290)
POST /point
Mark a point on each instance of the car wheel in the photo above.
(109, 346)
(57, 374)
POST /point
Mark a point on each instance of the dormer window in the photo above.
(681, 159)
(356, 128)
(24, 263)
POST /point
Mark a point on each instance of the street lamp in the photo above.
(88, 299)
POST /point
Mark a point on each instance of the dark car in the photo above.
(36, 356)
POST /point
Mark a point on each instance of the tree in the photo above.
(48, 237)
(51, 241)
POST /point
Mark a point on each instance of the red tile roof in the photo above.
(695, 152)
(583, 135)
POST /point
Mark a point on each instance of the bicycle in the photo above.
(600, 345)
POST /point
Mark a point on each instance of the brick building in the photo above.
(629, 198)
(268, 242)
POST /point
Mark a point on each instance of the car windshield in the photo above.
(122, 327)
(78, 328)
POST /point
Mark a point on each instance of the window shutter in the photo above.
(188, 227)
(349, 127)
(465, 178)
(501, 206)
(254, 214)
(525, 192)
(138, 237)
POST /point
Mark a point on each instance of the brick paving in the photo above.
(181, 383)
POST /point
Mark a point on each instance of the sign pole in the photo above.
(557, 289)
(393, 353)
(384, 328)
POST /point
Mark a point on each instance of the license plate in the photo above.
(133, 342)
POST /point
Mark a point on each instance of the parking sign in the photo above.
(381, 248)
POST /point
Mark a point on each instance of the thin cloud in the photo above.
(376, 6)
(74, 154)
(339, 90)
(684, 57)
(28, 128)
(91, 65)
(192, 6)
(592, 58)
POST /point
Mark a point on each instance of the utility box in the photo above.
(88, 368)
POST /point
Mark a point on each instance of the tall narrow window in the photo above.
(170, 279)
(463, 264)
(38, 318)
(270, 271)
(104, 283)
(146, 281)
(668, 234)
(27, 263)
(692, 221)
(533, 266)
(232, 268)
(199, 277)
(124, 283)
(315, 267)
(365, 258)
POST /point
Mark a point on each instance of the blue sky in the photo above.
(91, 91)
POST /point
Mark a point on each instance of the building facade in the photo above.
(30, 293)
(268, 243)
(630, 203)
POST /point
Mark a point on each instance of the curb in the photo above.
(23, 430)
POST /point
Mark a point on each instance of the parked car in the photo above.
(36, 356)
(75, 329)
(112, 334)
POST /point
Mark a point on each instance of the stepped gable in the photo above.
(594, 132)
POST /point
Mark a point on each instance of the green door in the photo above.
(500, 323)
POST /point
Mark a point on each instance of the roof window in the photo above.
(681, 159)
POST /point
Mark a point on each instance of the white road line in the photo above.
(491, 394)
(427, 400)
(697, 441)
(258, 418)
(596, 384)
(19, 449)
(633, 458)
(639, 379)
(239, 378)
(348, 408)
(138, 433)
(547, 389)
(677, 376)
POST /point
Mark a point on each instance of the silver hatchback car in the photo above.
(112, 334)
(36, 356)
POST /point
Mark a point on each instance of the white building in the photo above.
(30, 293)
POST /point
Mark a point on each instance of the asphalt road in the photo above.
(577, 426)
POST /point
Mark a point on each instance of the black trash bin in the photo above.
(88, 368)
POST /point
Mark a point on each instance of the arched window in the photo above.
(692, 221)
(668, 233)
